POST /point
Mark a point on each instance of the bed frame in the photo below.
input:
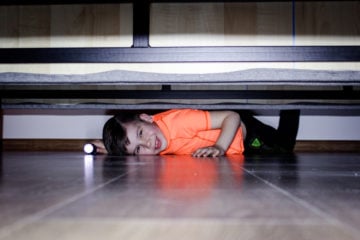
(142, 52)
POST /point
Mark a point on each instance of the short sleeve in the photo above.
(186, 122)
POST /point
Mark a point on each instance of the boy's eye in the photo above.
(140, 133)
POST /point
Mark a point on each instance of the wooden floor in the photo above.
(66, 195)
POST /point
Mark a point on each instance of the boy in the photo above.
(199, 133)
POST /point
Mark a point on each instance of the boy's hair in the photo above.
(114, 133)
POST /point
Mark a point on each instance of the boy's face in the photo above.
(144, 137)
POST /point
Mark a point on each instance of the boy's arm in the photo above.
(228, 122)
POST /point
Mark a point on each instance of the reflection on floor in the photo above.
(72, 196)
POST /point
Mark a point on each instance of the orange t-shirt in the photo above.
(186, 130)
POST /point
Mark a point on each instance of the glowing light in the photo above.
(89, 148)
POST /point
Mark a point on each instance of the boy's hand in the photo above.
(211, 151)
(100, 148)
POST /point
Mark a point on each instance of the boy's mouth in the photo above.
(157, 143)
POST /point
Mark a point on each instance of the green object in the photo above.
(256, 143)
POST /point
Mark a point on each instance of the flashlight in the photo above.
(90, 148)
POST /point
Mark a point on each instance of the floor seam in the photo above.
(5, 232)
(327, 217)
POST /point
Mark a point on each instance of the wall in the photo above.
(90, 127)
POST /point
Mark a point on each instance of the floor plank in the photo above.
(68, 195)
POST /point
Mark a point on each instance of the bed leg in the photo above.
(1, 136)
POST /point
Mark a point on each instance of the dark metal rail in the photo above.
(49, 2)
(181, 54)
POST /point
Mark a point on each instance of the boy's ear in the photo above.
(146, 118)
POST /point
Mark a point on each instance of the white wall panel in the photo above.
(90, 127)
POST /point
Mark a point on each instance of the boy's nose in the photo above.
(147, 143)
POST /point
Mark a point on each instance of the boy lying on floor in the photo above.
(198, 133)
